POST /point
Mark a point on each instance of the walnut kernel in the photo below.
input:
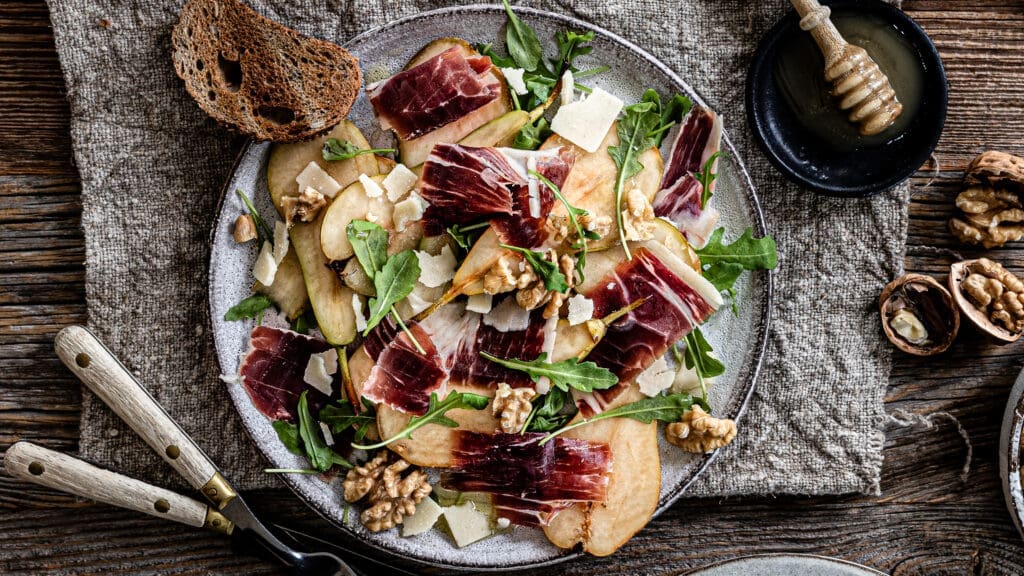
(513, 404)
(302, 208)
(699, 432)
(638, 216)
(997, 292)
(390, 496)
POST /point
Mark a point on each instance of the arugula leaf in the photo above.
(669, 408)
(464, 236)
(580, 244)
(569, 373)
(522, 42)
(288, 433)
(499, 61)
(635, 128)
(393, 282)
(263, 231)
(724, 262)
(335, 149)
(249, 307)
(370, 244)
(435, 414)
(706, 177)
(532, 135)
(547, 414)
(320, 455)
(571, 45)
(341, 416)
(669, 114)
(697, 357)
(547, 271)
(304, 323)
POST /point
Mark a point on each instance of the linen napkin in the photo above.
(152, 164)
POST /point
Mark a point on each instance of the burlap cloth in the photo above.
(152, 164)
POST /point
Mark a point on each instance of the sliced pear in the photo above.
(671, 238)
(350, 204)
(353, 276)
(498, 132)
(414, 152)
(289, 288)
(634, 486)
(482, 256)
(331, 301)
(591, 182)
(384, 165)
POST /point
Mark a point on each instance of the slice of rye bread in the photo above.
(265, 80)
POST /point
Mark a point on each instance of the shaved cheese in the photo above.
(568, 88)
(372, 189)
(533, 187)
(548, 348)
(581, 309)
(357, 307)
(280, 241)
(508, 317)
(408, 211)
(313, 176)
(265, 268)
(503, 523)
(480, 303)
(686, 381)
(436, 270)
(326, 431)
(423, 519)
(585, 122)
(467, 524)
(417, 303)
(232, 379)
(399, 181)
(316, 374)
(514, 78)
(656, 377)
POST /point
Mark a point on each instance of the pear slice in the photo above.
(330, 299)
(414, 152)
(591, 182)
(498, 132)
(634, 486)
(289, 288)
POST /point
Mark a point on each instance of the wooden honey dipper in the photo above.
(857, 82)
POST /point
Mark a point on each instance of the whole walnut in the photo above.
(989, 209)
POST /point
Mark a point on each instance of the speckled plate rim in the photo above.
(1010, 445)
(814, 561)
(736, 408)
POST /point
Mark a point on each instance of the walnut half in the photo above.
(990, 209)
(390, 496)
(990, 296)
(514, 406)
(700, 432)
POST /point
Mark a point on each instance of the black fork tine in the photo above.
(310, 543)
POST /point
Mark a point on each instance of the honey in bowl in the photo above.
(799, 78)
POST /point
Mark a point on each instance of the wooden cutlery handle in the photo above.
(46, 467)
(97, 367)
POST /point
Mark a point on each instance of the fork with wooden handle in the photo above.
(33, 463)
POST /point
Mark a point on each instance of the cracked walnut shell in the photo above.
(390, 496)
(918, 315)
(700, 432)
(990, 210)
(990, 296)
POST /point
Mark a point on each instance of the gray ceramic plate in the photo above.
(738, 339)
(786, 565)
(1010, 453)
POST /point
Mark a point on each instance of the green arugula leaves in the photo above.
(393, 277)
(341, 416)
(335, 149)
(698, 358)
(466, 236)
(306, 439)
(521, 41)
(706, 177)
(642, 126)
(548, 412)
(569, 373)
(250, 307)
(723, 263)
(263, 231)
(544, 269)
(435, 414)
(580, 244)
(668, 408)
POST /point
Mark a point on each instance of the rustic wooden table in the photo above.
(929, 519)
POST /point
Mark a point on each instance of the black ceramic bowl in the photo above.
(811, 160)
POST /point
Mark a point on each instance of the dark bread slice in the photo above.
(265, 80)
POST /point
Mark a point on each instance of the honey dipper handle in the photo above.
(814, 18)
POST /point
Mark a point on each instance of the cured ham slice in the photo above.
(272, 371)
(402, 377)
(529, 481)
(435, 93)
(679, 199)
(464, 184)
(675, 300)
(467, 367)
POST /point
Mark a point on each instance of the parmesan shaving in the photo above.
(399, 181)
(316, 374)
(408, 211)
(514, 78)
(568, 88)
(417, 303)
(357, 307)
(371, 188)
(508, 317)
(581, 309)
(280, 241)
(313, 176)
(328, 437)
(480, 303)
(656, 377)
(265, 268)
(436, 270)
(585, 122)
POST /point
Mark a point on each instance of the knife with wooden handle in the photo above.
(33, 463)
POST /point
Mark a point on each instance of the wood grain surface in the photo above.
(931, 518)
